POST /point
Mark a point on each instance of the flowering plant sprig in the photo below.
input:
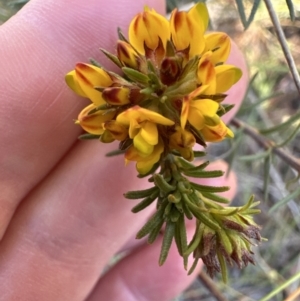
(169, 99)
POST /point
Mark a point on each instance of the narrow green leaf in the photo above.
(187, 211)
(241, 10)
(88, 137)
(153, 222)
(121, 36)
(181, 239)
(145, 202)
(175, 214)
(224, 108)
(194, 265)
(205, 188)
(115, 153)
(162, 184)
(224, 212)
(222, 266)
(290, 138)
(253, 12)
(285, 200)
(199, 167)
(203, 217)
(281, 126)
(167, 242)
(196, 240)
(291, 9)
(139, 194)
(135, 75)
(216, 198)
(182, 163)
(198, 154)
(112, 57)
(204, 174)
(245, 109)
(155, 231)
(95, 63)
(254, 157)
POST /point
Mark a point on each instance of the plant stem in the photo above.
(211, 286)
(282, 41)
(267, 144)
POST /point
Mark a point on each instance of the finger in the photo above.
(38, 47)
(139, 277)
(67, 229)
(237, 92)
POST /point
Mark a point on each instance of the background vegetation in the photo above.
(265, 152)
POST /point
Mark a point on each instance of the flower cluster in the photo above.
(168, 99)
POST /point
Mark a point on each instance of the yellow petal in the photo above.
(226, 76)
(72, 82)
(216, 133)
(93, 123)
(207, 107)
(206, 73)
(187, 32)
(127, 55)
(199, 109)
(117, 130)
(148, 27)
(196, 119)
(186, 103)
(219, 43)
(89, 77)
(200, 14)
(141, 145)
(184, 111)
(116, 95)
(149, 133)
(144, 163)
(141, 114)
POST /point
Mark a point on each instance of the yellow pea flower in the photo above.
(85, 78)
(183, 141)
(93, 123)
(215, 130)
(127, 55)
(142, 125)
(187, 29)
(219, 44)
(144, 163)
(148, 28)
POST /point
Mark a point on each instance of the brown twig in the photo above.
(210, 285)
(267, 144)
(282, 41)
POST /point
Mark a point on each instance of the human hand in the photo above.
(62, 215)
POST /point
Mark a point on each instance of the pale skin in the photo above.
(62, 214)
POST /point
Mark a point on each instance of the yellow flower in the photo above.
(117, 130)
(219, 44)
(219, 78)
(93, 123)
(187, 29)
(142, 125)
(144, 163)
(85, 78)
(116, 95)
(148, 28)
(215, 130)
(183, 141)
(127, 55)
